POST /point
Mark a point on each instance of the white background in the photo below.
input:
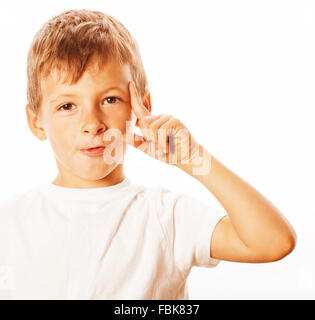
(239, 74)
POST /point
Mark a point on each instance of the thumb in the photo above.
(135, 140)
(140, 143)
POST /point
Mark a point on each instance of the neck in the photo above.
(70, 181)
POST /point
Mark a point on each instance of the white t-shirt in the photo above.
(125, 241)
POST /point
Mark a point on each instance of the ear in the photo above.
(147, 103)
(34, 124)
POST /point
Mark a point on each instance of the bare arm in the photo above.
(253, 230)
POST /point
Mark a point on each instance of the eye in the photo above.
(111, 99)
(66, 107)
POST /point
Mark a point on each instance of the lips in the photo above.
(93, 151)
(90, 148)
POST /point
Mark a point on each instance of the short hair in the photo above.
(67, 42)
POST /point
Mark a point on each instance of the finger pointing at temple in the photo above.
(137, 106)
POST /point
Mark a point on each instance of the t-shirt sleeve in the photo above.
(188, 224)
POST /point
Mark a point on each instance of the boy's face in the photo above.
(79, 121)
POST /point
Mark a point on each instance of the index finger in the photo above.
(138, 107)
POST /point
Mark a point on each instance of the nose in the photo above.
(93, 125)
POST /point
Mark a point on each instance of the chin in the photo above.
(91, 169)
(94, 174)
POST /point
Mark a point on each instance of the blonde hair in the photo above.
(68, 41)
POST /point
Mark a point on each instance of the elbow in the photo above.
(287, 248)
(291, 243)
(284, 247)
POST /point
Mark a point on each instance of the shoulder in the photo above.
(19, 200)
(161, 197)
(155, 194)
(168, 199)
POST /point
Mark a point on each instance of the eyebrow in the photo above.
(69, 95)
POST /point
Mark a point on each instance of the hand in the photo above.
(164, 137)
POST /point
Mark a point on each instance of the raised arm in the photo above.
(253, 230)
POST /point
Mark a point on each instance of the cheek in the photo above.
(61, 137)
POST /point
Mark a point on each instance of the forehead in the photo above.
(95, 77)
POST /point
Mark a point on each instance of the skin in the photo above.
(82, 121)
(253, 230)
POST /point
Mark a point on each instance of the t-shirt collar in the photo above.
(53, 190)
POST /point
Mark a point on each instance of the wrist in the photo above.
(198, 164)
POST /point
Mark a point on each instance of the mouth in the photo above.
(93, 152)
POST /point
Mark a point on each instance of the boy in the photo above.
(93, 233)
